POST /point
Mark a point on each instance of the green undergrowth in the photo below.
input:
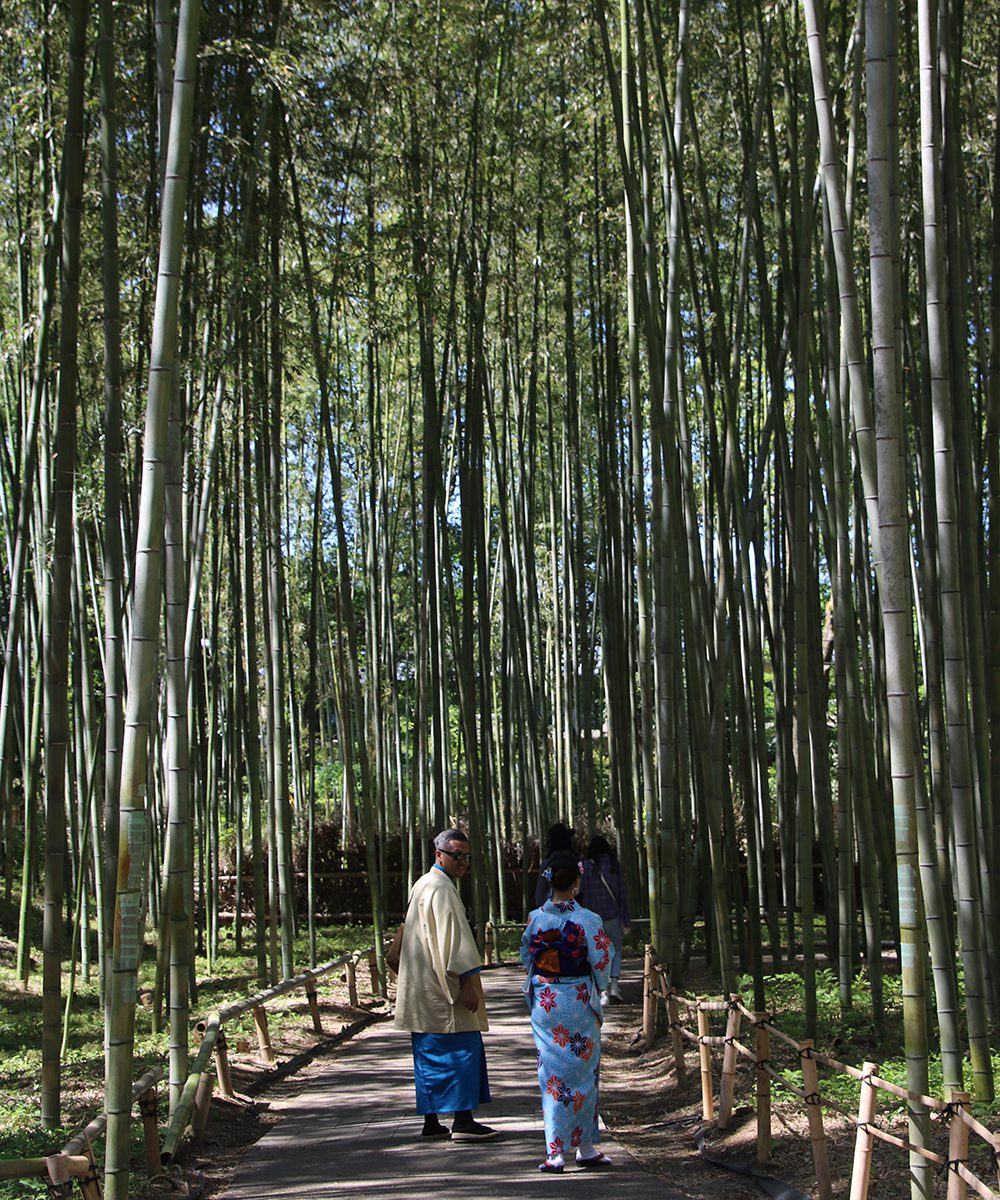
(232, 975)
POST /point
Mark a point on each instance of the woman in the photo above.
(602, 890)
(566, 954)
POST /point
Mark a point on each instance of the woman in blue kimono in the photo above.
(566, 954)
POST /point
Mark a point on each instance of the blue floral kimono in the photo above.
(566, 954)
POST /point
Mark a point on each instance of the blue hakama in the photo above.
(449, 1070)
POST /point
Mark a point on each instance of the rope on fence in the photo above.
(810, 1058)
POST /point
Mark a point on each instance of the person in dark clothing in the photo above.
(602, 890)
(560, 838)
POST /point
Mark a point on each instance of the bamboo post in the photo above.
(861, 1171)
(705, 1054)
(373, 970)
(817, 1136)
(202, 1103)
(150, 1132)
(313, 1004)
(488, 945)
(958, 1147)
(727, 1085)
(221, 1052)
(90, 1184)
(263, 1036)
(352, 981)
(648, 1000)
(674, 1015)
(763, 1052)
(60, 1181)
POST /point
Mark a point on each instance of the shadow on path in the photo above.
(354, 1130)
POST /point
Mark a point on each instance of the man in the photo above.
(439, 998)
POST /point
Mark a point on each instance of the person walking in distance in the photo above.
(439, 998)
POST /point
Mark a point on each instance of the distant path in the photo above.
(354, 1132)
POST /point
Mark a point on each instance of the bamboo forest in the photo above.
(495, 413)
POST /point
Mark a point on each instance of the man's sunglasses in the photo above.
(457, 855)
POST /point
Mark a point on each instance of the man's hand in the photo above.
(469, 992)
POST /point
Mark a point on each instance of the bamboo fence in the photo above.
(76, 1160)
(954, 1114)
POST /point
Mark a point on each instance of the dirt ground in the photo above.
(641, 1103)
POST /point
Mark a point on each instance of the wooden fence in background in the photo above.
(955, 1112)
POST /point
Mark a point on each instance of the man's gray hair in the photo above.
(449, 835)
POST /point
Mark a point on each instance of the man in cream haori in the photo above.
(439, 998)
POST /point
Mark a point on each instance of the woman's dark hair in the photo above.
(565, 870)
(600, 845)
(560, 837)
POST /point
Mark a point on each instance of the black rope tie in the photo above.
(812, 1098)
(763, 1064)
(147, 1108)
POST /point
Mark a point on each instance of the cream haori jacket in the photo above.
(438, 947)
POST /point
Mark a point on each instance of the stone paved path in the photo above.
(354, 1131)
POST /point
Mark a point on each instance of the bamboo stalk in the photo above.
(676, 1037)
(150, 1131)
(373, 971)
(861, 1171)
(817, 1135)
(313, 1004)
(763, 1049)
(705, 1054)
(727, 1085)
(958, 1148)
(488, 944)
(648, 1000)
(182, 1110)
(263, 1034)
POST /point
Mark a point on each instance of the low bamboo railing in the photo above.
(76, 1161)
(191, 1110)
(954, 1113)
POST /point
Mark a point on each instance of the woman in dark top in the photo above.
(602, 889)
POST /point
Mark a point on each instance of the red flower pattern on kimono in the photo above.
(579, 1099)
(560, 1035)
(602, 940)
(552, 1086)
(583, 993)
(547, 999)
(556, 1146)
(576, 1137)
